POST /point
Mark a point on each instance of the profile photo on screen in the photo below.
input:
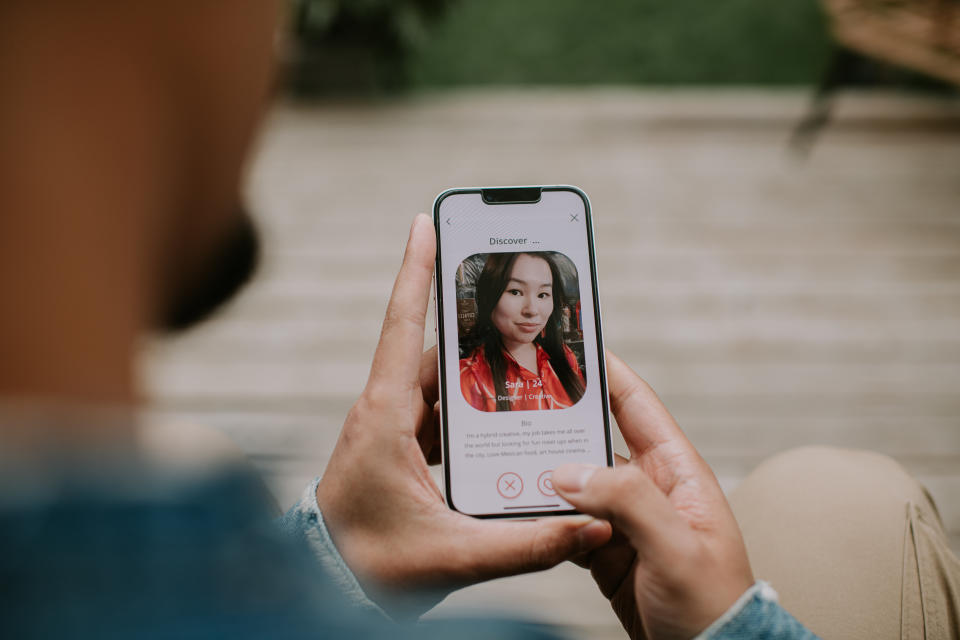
(520, 331)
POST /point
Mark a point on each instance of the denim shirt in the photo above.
(129, 551)
(756, 615)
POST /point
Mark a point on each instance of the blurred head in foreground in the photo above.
(124, 129)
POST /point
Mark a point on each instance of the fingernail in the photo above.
(573, 477)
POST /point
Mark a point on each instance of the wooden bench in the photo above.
(922, 36)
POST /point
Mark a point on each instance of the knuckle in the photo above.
(636, 388)
(360, 411)
(373, 400)
(382, 393)
(357, 417)
(420, 269)
(386, 397)
(631, 480)
(399, 316)
(546, 549)
(361, 426)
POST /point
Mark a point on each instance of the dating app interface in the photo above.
(523, 389)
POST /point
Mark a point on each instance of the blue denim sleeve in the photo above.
(757, 615)
(304, 521)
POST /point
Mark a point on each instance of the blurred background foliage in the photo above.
(388, 45)
(356, 46)
(625, 42)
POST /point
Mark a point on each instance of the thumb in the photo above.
(508, 548)
(624, 496)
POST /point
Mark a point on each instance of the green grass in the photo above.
(635, 42)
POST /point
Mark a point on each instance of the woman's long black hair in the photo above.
(491, 284)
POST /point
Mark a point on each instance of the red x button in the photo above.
(509, 485)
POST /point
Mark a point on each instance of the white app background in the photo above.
(500, 462)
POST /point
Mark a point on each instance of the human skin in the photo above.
(524, 308)
(121, 171)
(124, 128)
(676, 560)
(382, 507)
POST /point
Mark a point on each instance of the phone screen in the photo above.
(523, 388)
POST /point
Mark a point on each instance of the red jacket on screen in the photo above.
(525, 390)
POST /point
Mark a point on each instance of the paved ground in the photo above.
(772, 301)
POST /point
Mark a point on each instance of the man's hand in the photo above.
(381, 505)
(677, 560)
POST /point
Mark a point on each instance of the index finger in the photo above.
(397, 358)
(643, 418)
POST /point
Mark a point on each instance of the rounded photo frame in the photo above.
(520, 331)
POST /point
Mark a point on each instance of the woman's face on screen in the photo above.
(527, 302)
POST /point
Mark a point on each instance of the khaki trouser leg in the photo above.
(853, 544)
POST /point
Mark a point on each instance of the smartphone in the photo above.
(522, 382)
